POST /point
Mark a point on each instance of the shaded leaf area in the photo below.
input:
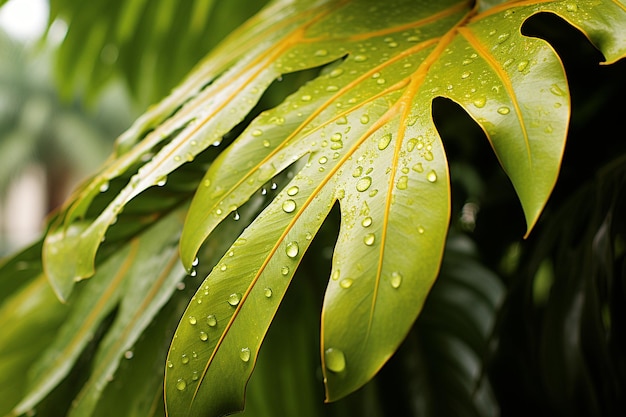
(561, 331)
(151, 45)
(570, 289)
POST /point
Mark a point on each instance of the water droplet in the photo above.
(502, 37)
(335, 360)
(306, 97)
(364, 119)
(521, 66)
(104, 187)
(192, 320)
(266, 143)
(403, 182)
(236, 215)
(323, 160)
(346, 283)
(195, 262)
(571, 7)
(504, 110)
(170, 364)
(336, 72)
(335, 275)
(480, 102)
(292, 249)
(244, 354)
(223, 267)
(234, 299)
(363, 184)
(181, 385)
(195, 376)
(396, 279)
(420, 230)
(211, 320)
(384, 141)
(358, 171)
(267, 292)
(293, 190)
(428, 155)
(418, 167)
(369, 239)
(129, 354)
(204, 337)
(341, 121)
(432, 176)
(556, 90)
(366, 222)
(289, 206)
(284, 270)
(336, 137)
(465, 75)
(360, 58)
(184, 359)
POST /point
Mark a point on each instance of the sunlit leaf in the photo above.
(362, 135)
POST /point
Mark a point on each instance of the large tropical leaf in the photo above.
(359, 135)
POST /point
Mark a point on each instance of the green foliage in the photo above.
(312, 123)
(103, 38)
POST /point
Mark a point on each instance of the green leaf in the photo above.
(30, 320)
(362, 134)
(121, 279)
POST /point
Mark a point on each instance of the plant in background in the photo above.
(311, 123)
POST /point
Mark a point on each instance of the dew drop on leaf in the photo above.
(369, 239)
(384, 141)
(181, 385)
(403, 182)
(284, 270)
(184, 359)
(292, 249)
(364, 119)
(504, 110)
(521, 66)
(366, 222)
(192, 320)
(480, 102)
(244, 354)
(211, 320)
(363, 184)
(234, 299)
(335, 360)
(335, 275)
(346, 283)
(204, 337)
(432, 176)
(289, 206)
(396, 279)
(195, 376)
(335, 73)
(293, 190)
(104, 187)
(267, 292)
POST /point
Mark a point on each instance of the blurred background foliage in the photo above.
(512, 326)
